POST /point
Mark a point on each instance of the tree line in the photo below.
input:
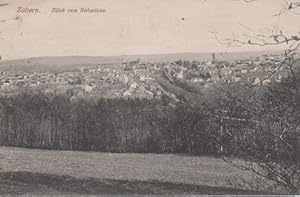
(57, 121)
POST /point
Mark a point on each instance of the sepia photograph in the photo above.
(150, 97)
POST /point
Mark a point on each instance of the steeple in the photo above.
(213, 57)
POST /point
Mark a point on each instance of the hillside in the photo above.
(26, 171)
(55, 64)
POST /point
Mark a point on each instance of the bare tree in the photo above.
(268, 138)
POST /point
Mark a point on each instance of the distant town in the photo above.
(136, 78)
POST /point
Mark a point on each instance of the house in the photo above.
(153, 88)
(158, 93)
(256, 81)
(236, 78)
(20, 84)
(278, 78)
(99, 69)
(253, 69)
(127, 93)
(142, 78)
(246, 61)
(208, 63)
(225, 72)
(83, 69)
(180, 75)
(156, 67)
(266, 81)
(124, 79)
(6, 83)
(148, 93)
(213, 72)
(124, 63)
(134, 85)
(197, 80)
(33, 83)
(89, 87)
(93, 70)
(244, 71)
(142, 65)
(128, 67)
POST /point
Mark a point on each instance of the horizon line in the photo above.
(144, 54)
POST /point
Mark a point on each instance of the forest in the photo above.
(110, 125)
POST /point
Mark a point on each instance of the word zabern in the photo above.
(27, 10)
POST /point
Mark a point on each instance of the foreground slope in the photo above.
(25, 171)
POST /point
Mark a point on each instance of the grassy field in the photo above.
(27, 171)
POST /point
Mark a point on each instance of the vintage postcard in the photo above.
(149, 97)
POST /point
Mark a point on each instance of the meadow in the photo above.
(35, 171)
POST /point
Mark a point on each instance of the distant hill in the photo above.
(226, 56)
(55, 64)
(72, 63)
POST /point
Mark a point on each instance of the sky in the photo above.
(136, 26)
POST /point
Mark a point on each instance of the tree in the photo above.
(260, 124)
